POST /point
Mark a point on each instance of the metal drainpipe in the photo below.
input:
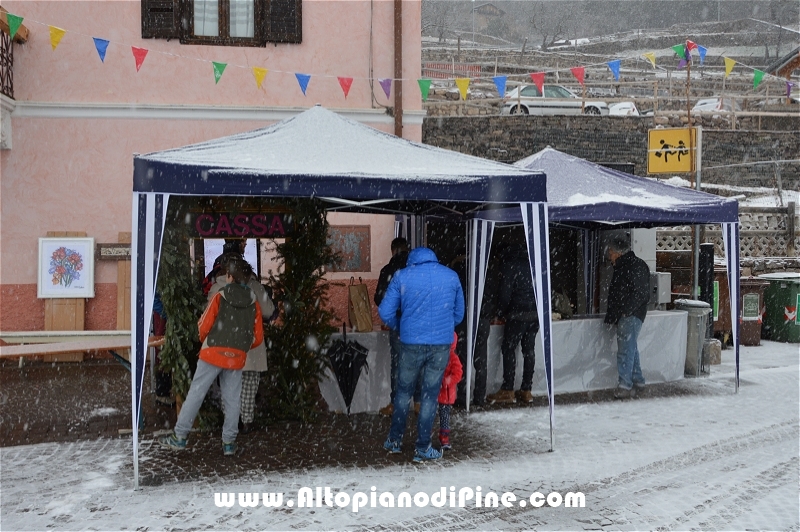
(398, 68)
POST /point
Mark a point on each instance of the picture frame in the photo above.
(66, 268)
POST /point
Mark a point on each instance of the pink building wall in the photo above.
(78, 121)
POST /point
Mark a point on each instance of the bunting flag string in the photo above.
(463, 87)
(219, 68)
(386, 85)
(138, 55)
(102, 46)
(424, 87)
(259, 73)
(683, 51)
(345, 83)
(614, 67)
(303, 80)
(14, 22)
(500, 83)
(578, 72)
(56, 34)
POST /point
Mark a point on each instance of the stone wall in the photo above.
(624, 139)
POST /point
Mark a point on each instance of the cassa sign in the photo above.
(242, 224)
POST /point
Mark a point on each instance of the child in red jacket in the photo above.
(447, 395)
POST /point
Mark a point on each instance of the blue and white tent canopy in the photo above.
(353, 167)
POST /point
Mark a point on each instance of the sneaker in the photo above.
(524, 396)
(444, 440)
(247, 428)
(171, 441)
(394, 447)
(622, 393)
(387, 410)
(502, 397)
(427, 455)
(638, 386)
(229, 449)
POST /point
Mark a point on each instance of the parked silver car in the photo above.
(556, 100)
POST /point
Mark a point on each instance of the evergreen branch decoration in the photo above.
(295, 342)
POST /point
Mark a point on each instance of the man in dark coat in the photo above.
(517, 306)
(397, 262)
(628, 295)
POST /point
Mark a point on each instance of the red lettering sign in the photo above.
(227, 225)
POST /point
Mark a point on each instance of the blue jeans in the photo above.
(628, 365)
(394, 350)
(423, 363)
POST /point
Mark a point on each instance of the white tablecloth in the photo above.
(584, 358)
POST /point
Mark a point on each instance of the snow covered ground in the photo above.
(707, 460)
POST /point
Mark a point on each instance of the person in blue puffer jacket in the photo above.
(430, 300)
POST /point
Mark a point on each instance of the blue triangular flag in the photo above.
(500, 83)
(303, 79)
(102, 46)
(614, 66)
(702, 51)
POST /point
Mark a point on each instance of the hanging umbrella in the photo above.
(348, 358)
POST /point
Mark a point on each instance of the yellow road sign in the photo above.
(671, 150)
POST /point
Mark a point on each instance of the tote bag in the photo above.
(359, 306)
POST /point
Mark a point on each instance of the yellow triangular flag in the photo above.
(55, 36)
(651, 57)
(463, 85)
(728, 65)
(259, 74)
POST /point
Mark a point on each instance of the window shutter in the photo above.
(284, 21)
(160, 19)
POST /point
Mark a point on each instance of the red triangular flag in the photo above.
(578, 72)
(538, 79)
(345, 84)
(139, 54)
(691, 46)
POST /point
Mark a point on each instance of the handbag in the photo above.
(359, 306)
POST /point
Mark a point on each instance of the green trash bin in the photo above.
(781, 299)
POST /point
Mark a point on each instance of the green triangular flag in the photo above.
(219, 68)
(678, 49)
(424, 88)
(757, 77)
(14, 22)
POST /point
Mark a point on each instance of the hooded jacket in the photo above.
(452, 376)
(429, 298)
(629, 291)
(230, 326)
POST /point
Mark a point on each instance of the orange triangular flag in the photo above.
(538, 79)
(55, 36)
(345, 84)
(259, 74)
(139, 54)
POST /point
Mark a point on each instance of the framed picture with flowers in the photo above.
(66, 267)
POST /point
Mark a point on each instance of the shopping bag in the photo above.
(359, 307)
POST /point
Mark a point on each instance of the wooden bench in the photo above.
(39, 343)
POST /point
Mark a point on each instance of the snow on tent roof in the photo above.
(584, 193)
(320, 153)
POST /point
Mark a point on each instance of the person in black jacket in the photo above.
(397, 262)
(517, 306)
(628, 295)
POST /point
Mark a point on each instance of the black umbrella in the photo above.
(348, 358)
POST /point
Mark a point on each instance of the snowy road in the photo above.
(709, 460)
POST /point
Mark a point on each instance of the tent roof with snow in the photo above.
(319, 153)
(584, 194)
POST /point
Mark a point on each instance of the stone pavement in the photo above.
(68, 402)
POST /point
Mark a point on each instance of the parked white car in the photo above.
(706, 105)
(623, 109)
(556, 100)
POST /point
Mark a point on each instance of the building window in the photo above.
(223, 22)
